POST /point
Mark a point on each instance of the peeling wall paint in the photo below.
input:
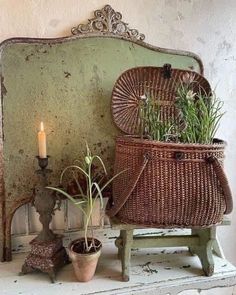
(206, 27)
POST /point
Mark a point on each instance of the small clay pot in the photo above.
(84, 263)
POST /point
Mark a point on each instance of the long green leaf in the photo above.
(99, 194)
(75, 167)
(67, 196)
(78, 184)
(110, 180)
(101, 161)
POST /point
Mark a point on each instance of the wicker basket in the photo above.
(168, 184)
(164, 184)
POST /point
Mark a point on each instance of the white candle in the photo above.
(42, 142)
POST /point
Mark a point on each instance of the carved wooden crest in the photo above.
(107, 20)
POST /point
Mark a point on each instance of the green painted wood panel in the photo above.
(67, 85)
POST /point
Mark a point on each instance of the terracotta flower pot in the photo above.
(84, 263)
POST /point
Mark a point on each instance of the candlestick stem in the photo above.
(44, 202)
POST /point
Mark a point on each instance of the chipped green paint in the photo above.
(67, 85)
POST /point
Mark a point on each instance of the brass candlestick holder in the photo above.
(47, 252)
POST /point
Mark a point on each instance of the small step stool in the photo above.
(202, 242)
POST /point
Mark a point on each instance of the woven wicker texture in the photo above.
(164, 184)
(167, 184)
(135, 82)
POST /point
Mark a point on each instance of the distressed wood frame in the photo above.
(106, 24)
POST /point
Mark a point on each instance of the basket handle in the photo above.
(129, 189)
(219, 171)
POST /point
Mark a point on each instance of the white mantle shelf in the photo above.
(152, 272)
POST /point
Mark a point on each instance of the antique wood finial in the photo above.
(107, 20)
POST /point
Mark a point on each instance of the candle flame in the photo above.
(41, 126)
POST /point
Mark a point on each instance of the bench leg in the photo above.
(205, 248)
(119, 244)
(127, 241)
(217, 249)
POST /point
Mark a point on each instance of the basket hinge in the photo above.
(166, 71)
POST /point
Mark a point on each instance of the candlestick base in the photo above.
(47, 257)
(47, 252)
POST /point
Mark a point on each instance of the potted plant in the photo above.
(90, 185)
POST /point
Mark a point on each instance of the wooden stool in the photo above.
(202, 242)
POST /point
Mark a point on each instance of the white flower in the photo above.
(190, 95)
(143, 97)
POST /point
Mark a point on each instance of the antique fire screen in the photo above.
(67, 83)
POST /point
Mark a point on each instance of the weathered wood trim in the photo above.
(165, 241)
(10, 41)
(2, 195)
(10, 209)
(2, 240)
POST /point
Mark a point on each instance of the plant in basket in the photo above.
(199, 114)
(89, 181)
(200, 111)
(152, 126)
(175, 176)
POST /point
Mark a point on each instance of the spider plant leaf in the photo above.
(80, 202)
(88, 152)
(62, 192)
(73, 167)
(68, 196)
(101, 161)
(110, 180)
(99, 193)
(78, 184)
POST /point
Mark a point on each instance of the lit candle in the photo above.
(42, 142)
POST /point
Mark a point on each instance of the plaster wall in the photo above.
(206, 27)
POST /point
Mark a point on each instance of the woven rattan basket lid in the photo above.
(161, 83)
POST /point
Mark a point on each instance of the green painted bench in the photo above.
(201, 241)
